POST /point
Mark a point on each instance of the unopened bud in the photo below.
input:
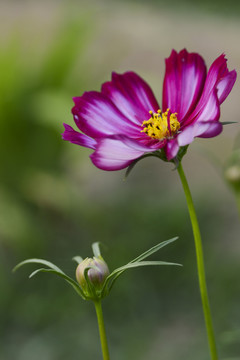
(232, 174)
(97, 275)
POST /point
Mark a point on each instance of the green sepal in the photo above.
(178, 158)
(78, 259)
(90, 293)
(96, 249)
(162, 155)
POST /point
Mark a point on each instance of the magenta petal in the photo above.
(208, 109)
(131, 95)
(218, 70)
(186, 136)
(203, 129)
(97, 116)
(214, 129)
(171, 149)
(117, 152)
(225, 85)
(218, 83)
(77, 138)
(183, 83)
(189, 133)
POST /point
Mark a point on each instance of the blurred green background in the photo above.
(54, 203)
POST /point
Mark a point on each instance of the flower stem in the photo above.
(102, 332)
(200, 264)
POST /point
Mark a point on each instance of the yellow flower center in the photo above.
(161, 125)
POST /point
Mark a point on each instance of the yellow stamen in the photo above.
(161, 125)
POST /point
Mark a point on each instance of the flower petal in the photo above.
(117, 152)
(225, 85)
(211, 109)
(171, 149)
(183, 83)
(77, 138)
(131, 95)
(217, 72)
(219, 83)
(214, 129)
(186, 136)
(203, 129)
(97, 116)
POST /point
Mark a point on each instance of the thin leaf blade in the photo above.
(228, 122)
(117, 272)
(69, 280)
(154, 249)
(37, 261)
(142, 263)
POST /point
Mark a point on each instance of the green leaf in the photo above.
(38, 261)
(53, 269)
(96, 249)
(141, 263)
(117, 272)
(72, 282)
(137, 260)
(78, 259)
(154, 249)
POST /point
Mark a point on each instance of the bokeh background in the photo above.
(54, 203)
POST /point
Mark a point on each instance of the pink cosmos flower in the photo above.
(124, 122)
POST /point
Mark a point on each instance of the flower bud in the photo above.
(232, 175)
(97, 275)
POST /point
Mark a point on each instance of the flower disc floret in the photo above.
(161, 125)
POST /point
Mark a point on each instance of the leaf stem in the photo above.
(200, 264)
(102, 332)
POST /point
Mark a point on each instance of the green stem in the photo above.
(200, 265)
(102, 332)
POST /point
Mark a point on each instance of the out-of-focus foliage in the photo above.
(35, 99)
(215, 7)
(232, 171)
(54, 204)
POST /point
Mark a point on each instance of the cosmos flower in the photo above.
(124, 121)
